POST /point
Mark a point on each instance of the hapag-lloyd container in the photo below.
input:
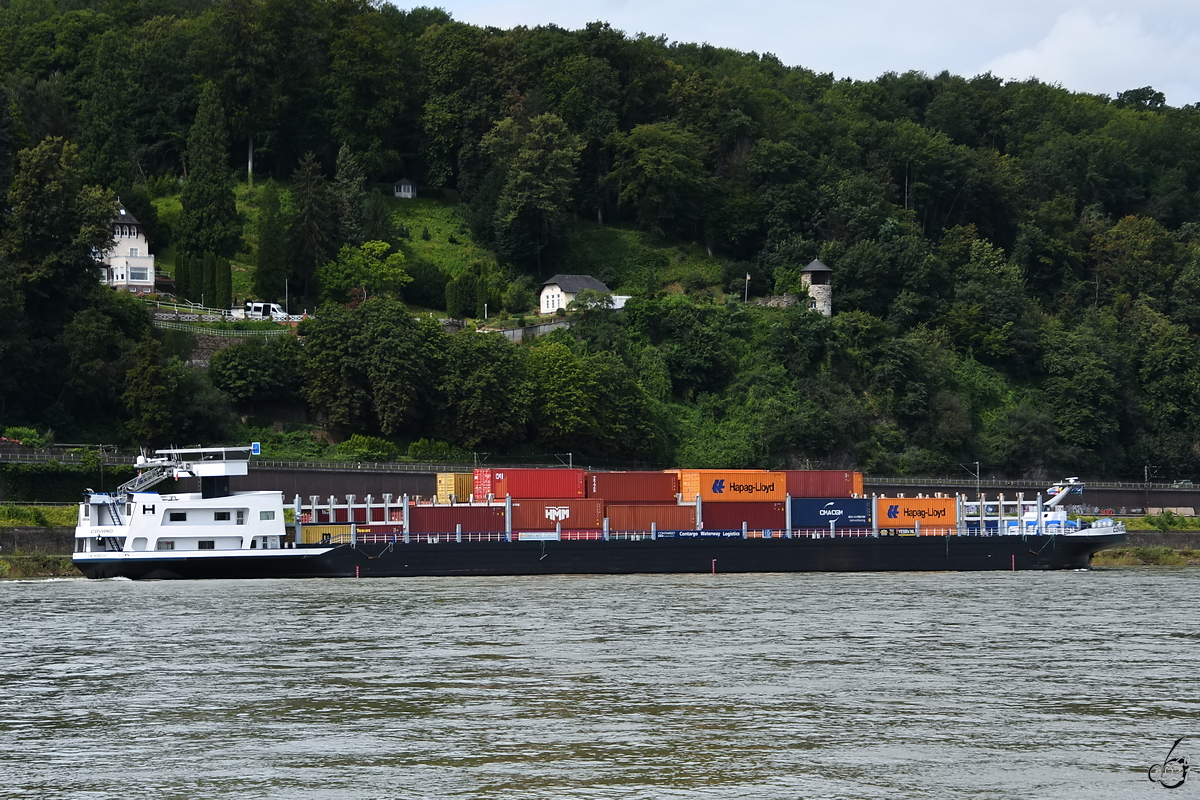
(906, 512)
(443, 519)
(640, 518)
(633, 487)
(758, 516)
(843, 512)
(732, 486)
(544, 515)
(528, 483)
(823, 483)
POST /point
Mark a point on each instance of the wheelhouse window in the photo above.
(221, 516)
(165, 544)
(208, 544)
(241, 517)
(177, 516)
(266, 515)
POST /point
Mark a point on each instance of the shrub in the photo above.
(430, 450)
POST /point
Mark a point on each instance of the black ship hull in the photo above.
(624, 557)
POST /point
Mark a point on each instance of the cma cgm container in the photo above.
(531, 483)
(443, 519)
(640, 518)
(906, 512)
(460, 485)
(543, 515)
(730, 516)
(844, 512)
(633, 487)
(824, 483)
(732, 486)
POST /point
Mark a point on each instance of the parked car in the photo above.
(255, 310)
(1183, 484)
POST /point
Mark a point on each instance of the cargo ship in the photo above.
(564, 522)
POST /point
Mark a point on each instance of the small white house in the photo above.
(560, 290)
(129, 265)
(404, 189)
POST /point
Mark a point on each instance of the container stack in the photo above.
(585, 503)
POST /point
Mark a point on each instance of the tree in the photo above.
(373, 268)
(535, 170)
(378, 225)
(310, 236)
(150, 395)
(659, 172)
(486, 394)
(271, 273)
(349, 190)
(56, 226)
(223, 284)
(209, 222)
(260, 370)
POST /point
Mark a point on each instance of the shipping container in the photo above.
(640, 517)
(443, 519)
(905, 512)
(528, 483)
(455, 486)
(541, 515)
(823, 483)
(757, 516)
(626, 487)
(844, 512)
(725, 486)
(315, 534)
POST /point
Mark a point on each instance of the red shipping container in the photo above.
(443, 519)
(625, 487)
(544, 515)
(823, 482)
(529, 483)
(730, 516)
(639, 518)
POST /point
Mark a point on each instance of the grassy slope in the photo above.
(616, 254)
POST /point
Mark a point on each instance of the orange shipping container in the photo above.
(906, 512)
(823, 482)
(639, 518)
(543, 515)
(726, 486)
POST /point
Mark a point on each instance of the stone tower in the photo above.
(815, 278)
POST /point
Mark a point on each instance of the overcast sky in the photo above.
(1101, 46)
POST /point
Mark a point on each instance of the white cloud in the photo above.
(1106, 55)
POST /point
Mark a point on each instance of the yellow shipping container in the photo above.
(459, 484)
(906, 512)
(732, 485)
(315, 534)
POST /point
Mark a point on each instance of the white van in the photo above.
(265, 311)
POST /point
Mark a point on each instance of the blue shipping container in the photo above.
(817, 512)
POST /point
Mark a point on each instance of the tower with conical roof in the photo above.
(815, 278)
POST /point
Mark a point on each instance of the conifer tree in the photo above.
(271, 272)
(209, 222)
(224, 284)
(182, 285)
(350, 194)
(310, 237)
(209, 290)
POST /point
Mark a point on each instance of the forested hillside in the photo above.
(1015, 270)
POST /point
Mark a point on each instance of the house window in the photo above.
(208, 544)
(177, 516)
(266, 515)
(165, 544)
(133, 252)
(221, 516)
(139, 274)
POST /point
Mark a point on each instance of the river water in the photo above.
(987, 685)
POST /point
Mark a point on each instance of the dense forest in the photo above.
(1016, 273)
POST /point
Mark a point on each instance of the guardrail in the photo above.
(180, 326)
